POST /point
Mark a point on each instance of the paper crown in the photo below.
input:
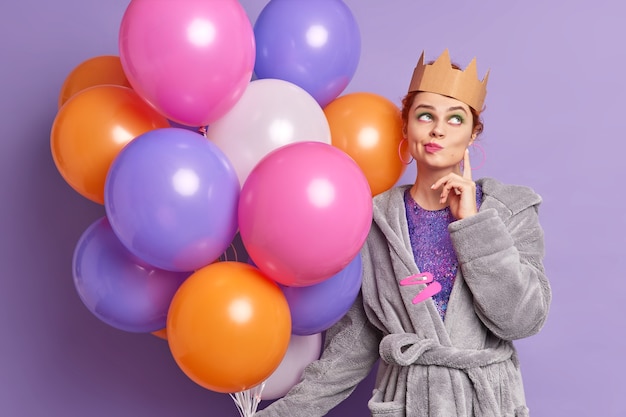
(441, 78)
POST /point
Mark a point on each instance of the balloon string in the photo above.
(235, 252)
(248, 400)
(224, 256)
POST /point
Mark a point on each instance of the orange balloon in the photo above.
(161, 334)
(99, 70)
(91, 129)
(228, 327)
(368, 127)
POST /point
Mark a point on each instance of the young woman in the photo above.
(452, 275)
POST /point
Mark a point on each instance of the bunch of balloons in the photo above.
(192, 158)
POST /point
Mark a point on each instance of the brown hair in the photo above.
(407, 102)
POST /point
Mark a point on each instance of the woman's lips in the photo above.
(432, 147)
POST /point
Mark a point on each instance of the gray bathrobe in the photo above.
(463, 366)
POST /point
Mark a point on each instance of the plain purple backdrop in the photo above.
(554, 121)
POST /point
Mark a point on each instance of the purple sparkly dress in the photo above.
(432, 248)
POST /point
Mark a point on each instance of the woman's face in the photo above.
(438, 130)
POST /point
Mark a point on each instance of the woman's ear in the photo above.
(475, 133)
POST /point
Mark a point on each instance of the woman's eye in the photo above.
(456, 120)
(424, 117)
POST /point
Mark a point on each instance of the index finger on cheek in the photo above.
(467, 168)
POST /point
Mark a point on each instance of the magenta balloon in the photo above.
(317, 307)
(117, 287)
(313, 44)
(190, 59)
(304, 212)
(171, 196)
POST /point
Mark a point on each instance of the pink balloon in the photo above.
(302, 350)
(304, 213)
(190, 59)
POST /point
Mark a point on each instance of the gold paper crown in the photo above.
(441, 78)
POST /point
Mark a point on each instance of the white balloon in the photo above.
(302, 350)
(271, 113)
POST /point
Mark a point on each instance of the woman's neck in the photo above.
(426, 197)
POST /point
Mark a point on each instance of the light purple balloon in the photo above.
(117, 287)
(171, 197)
(313, 44)
(317, 307)
(302, 350)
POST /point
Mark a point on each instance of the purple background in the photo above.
(554, 121)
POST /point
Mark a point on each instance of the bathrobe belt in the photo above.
(406, 349)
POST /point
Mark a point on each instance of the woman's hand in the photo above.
(459, 191)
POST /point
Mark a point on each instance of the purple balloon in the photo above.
(317, 307)
(117, 287)
(313, 44)
(171, 196)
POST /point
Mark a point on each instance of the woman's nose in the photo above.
(437, 130)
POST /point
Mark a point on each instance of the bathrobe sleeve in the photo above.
(500, 252)
(350, 353)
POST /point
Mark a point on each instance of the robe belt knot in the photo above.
(405, 349)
